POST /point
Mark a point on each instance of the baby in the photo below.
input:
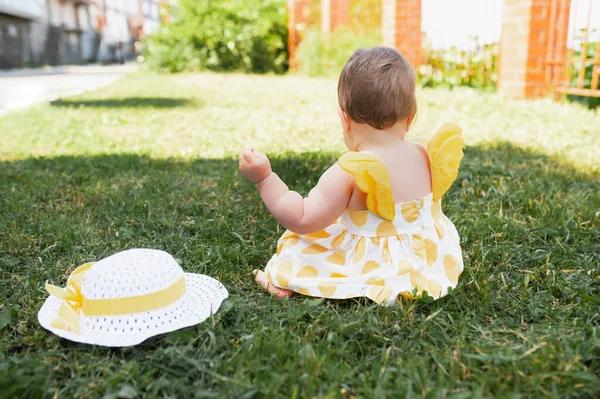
(373, 225)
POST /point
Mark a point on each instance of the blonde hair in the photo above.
(377, 87)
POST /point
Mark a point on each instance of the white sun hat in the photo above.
(128, 297)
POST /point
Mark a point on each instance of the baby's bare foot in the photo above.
(261, 278)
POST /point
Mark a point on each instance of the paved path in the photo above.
(23, 87)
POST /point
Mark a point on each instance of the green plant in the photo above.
(587, 101)
(322, 54)
(224, 35)
(311, 54)
(453, 67)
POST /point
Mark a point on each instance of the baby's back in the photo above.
(408, 167)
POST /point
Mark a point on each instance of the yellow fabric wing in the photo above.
(445, 154)
(372, 179)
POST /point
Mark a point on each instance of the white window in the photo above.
(154, 11)
(93, 15)
(12, 30)
(55, 12)
(146, 7)
(151, 26)
(111, 33)
(123, 28)
(124, 5)
(130, 7)
(83, 17)
(69, 19)
(73, 39)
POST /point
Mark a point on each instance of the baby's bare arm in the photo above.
(324, 204)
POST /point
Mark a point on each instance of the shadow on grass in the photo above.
(133, 192)
(128, 102)
(136, 191)
(530, 240)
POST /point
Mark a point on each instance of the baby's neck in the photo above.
(370, 137)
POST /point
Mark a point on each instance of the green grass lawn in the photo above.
(151, 162)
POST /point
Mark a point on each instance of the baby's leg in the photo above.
(261, 278)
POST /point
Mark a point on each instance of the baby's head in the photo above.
(377, 88)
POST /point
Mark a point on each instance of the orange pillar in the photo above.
(534, 32)
(296, 22)
(401, 27)
(334, 13)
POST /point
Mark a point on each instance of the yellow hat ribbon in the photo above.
(74, 302)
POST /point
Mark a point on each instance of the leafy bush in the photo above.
(223, 35)
(453, 67)
(587, 101)
(321, 54)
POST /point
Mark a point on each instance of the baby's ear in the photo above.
(344, 118)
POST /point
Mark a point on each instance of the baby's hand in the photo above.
(254, 165)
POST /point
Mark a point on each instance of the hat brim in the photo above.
(202, 298)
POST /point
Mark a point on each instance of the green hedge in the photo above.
(325, 55)
(222, 35)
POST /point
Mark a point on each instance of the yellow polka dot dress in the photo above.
(387, 251)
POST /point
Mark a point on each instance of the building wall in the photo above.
(401, 23)
(17, 42)
(126, 22)
(14, 41)
(530, 36)
(150, 9)
(89, 36)
(38, 35)
(55, 32)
